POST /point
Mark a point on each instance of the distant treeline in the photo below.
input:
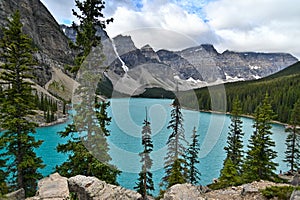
(282, 87)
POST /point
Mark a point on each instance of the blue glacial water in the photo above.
(125, 140)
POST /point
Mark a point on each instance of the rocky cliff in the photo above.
(134, 69)
(90, 188)
(191, 68)
(39, 24)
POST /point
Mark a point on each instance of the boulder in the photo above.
(91, 188)
(295, 195)
(17, 195)
(184, 191)
(54, 187)
(249, 189)
(296, 180)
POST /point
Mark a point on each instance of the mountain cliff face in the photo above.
(39, 24)
(190, 68)
(140, 68)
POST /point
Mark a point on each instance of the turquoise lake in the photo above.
(125, 139)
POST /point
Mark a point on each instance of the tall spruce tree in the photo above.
(88, 123)
(259, 162)
(81, 161)
(16, 106)
(3, 172)
(175, 164)
(145, 182)
(192, 159)
(292, 153)
(234, 148)
(91, 18)
(231, 171)
(102, 115)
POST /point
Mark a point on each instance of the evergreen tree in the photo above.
(102, 115)
(91, 18)
(231, 171)
(175, 170)
(89, 146)
(16, 106)
(259, 159)
(3, 173)
(230, 175)
(234, 148)
(81, 161)
(292, 153)
(145, 176)
(192, 159)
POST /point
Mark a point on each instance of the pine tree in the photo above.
(3, 173)
(234, 148)
(90, 146)
(102, 115)
(192, 159)
(91, 18)
(16, 106)
(292, 153)
(230, 176)
(145, 176)
(175, 170)
(259, 159)
(81, 161)
(231, 170)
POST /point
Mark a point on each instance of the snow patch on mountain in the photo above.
(125, 68)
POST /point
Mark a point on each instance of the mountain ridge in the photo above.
(189, 68)
(282, 88)
(199, 66)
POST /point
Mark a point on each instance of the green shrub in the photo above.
(281, 192)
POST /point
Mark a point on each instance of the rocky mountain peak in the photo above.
(40, 25)
(148, 52)
(124, 44)
(204, 50)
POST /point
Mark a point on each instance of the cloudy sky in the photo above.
(238, 25)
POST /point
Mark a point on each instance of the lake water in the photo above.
(125, 140)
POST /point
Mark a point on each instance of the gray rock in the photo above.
(40, 25)
(54, 187)
(91, 188)
(124, 44)
(17, 195)
(248, 189)
(296, 180)
(295, 195)
(183, 192)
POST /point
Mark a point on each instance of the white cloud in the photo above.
(60, 9)
(256, 25)
(161, 15)
(238, 25)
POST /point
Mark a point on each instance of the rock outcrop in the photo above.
(295, 195)
(17, 195)
(56, 187)
(53, 187)
(38, 23)
(41, 26)
(91, 188)
(184, 191)
(249, 191)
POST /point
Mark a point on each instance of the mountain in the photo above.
(133, 69)
(39, 24)
(282, 88)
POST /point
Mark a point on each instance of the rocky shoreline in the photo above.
(56, 122)
(90, 188)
